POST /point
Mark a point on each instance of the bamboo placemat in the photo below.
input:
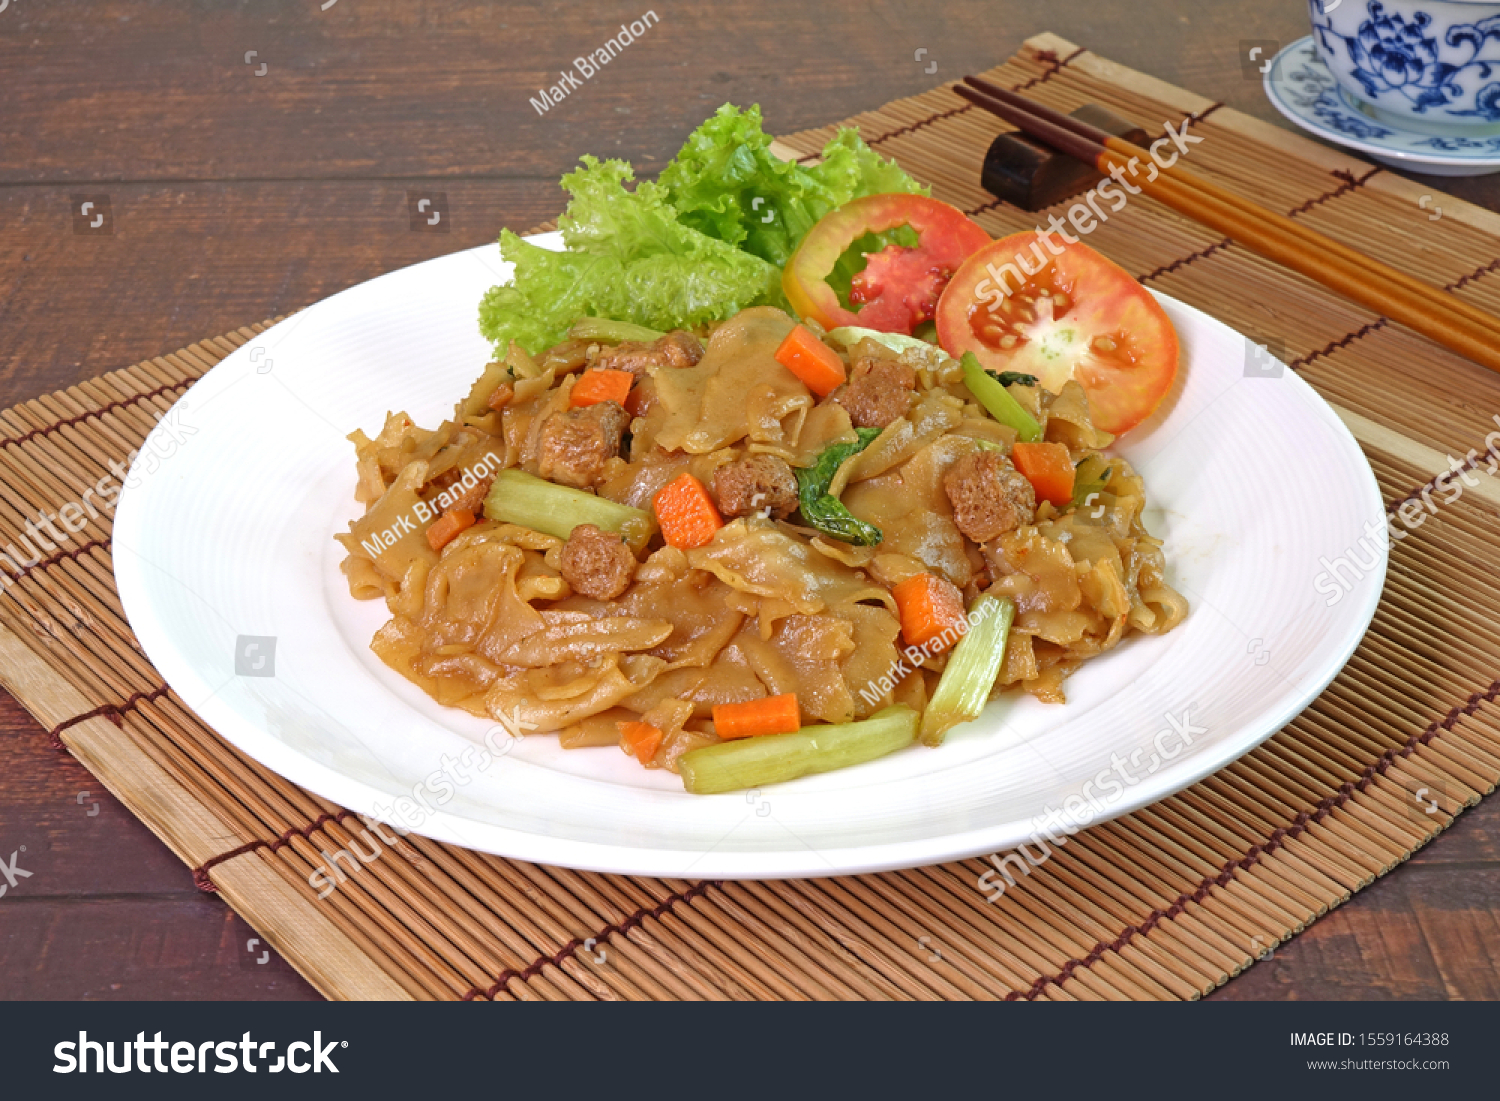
(1167, 902)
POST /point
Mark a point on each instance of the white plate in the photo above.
(1251, 477)
(1300, 86)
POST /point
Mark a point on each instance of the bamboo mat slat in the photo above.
(1165, 903)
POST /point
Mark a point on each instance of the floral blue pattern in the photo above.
(1301, 86)
(1312, 88)
(1391, 53)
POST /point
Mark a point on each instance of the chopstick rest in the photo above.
(1032, 175)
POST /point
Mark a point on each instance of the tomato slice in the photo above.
(900, 285)
(1061, 311)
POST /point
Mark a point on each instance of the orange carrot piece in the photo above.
(604, 384)
(931, 607)
(1048, 468)
(772, 715)
(686, 513)
(640, 740)
(815, 363)
(442, 530)
(502, 395)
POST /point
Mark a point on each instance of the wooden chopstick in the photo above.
(1289, 225)
(1428, 310)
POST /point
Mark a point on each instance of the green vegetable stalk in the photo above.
(825, 512)
(972, 668)
(531, 502)
(773, 758)
(994, 397)
(611, 332)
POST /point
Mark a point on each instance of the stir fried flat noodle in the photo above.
(769, 606)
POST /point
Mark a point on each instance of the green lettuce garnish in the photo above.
(693, 247)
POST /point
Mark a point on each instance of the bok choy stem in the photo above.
(972, 668)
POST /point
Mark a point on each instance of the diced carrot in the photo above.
(502, 395)
(686, 513)
(771, 715)
(931, 608)
(593, 387)
(1049, 469)
(815, 363)
(640, 740)
(442, 530)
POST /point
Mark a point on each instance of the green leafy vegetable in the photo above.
(1011, 378)
(997, 400)
(1091, 476)
(825, 512)
(726, 183)
(628, 258)
(695, 246)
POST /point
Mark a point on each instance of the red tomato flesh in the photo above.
(1076, 316)
(899, 286)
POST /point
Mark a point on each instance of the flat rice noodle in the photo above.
(637, 484)
(730, 679)
(543, 697)
(914, 515)
(1020, 659)
(774, 417)
(1068, 421)
(392, 527)
(824, 426)
(765, 561)
(874, 655)
(678, 683)
(366, 582)
(804, 657)
(1062, 628)
(934, 414)
(1049, 581)
(703, 408)
(402, 442)
(579, 636)
(987, 430)
(400, 643)
(1104, 589)
(596, 730)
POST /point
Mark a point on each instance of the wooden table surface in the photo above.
(245, 186)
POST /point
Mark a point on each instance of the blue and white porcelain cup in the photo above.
(1432, 65)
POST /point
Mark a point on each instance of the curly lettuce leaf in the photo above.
(726, 182)
(628, 258)
(704, 242)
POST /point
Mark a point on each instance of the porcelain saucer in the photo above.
(1302, 89)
